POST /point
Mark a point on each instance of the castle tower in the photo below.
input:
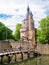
(27, 30)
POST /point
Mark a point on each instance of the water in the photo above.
(42, 60)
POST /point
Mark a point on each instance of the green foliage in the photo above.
(5, 32)
(43, 31)
(17, 32)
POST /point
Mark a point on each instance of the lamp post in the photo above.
(6, 33)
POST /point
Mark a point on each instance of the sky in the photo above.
(14, 11)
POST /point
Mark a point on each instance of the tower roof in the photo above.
(28, 11)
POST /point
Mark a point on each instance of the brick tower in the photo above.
(28, 30)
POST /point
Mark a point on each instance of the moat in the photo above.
(42, 60)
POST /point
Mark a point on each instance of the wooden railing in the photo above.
(15, 53)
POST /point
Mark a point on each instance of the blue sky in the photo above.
(14, 11)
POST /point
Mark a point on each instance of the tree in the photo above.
(5, 32)
(17, 32)
(43, 31)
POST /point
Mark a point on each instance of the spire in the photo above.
(28, 12)
(28, 9)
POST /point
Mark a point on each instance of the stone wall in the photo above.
(43, 48)
(4, 45)
(11, 45)
(8, 45)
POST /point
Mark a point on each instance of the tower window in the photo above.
(24, 22)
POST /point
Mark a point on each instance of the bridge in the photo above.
(29, 54)
(22, 52)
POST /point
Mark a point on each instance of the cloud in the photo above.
(14, 11)
(17, 10)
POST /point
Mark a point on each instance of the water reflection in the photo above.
(42, 60)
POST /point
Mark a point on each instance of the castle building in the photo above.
(27, 29)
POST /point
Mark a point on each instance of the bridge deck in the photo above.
(14, 52)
